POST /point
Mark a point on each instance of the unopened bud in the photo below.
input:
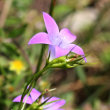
(66, 61)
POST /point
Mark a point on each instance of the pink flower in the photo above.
(60, 42)
(55, 102)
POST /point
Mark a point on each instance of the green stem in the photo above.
(52, 5)
(23, 107)
(31, 84)
(38, 73)
(41, 57)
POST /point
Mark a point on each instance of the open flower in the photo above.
(17, 66)
(53, 103)
(60, 42)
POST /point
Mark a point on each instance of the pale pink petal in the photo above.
(66, 36)
(50, 24)
(76, 49)
(50, 100)
(52, 52)
(65, 50)
(40, 38)
(42, 99)
(18, 99)
(34, 94)
(53, 109)
(54, 105)
(61, 51)
(52, 29)
(28, 100)
(60, 109)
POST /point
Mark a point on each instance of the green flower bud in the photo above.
(66, 62)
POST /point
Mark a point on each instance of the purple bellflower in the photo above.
(53, 103)
(60, 42)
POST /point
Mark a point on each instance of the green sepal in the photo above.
(66, 62)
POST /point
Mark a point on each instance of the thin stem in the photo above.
(38, 72)
(41, 57)
(23, 107)
(31, 84)
(52, 5)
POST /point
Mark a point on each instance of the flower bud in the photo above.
(66, 62)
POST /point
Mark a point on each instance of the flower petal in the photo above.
(34, 94)
(18, 99)
(42, 99)
(56, 52)
(52, 52)
(40, 38)
(66, 36)
(50, 24)
(76, 49)
(54, 105)
(61, 51)
(54, 109)
(65, 50)
(28, 100)
(60, 109)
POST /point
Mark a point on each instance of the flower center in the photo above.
(56, 40)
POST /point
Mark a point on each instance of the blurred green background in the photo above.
(85, 87)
